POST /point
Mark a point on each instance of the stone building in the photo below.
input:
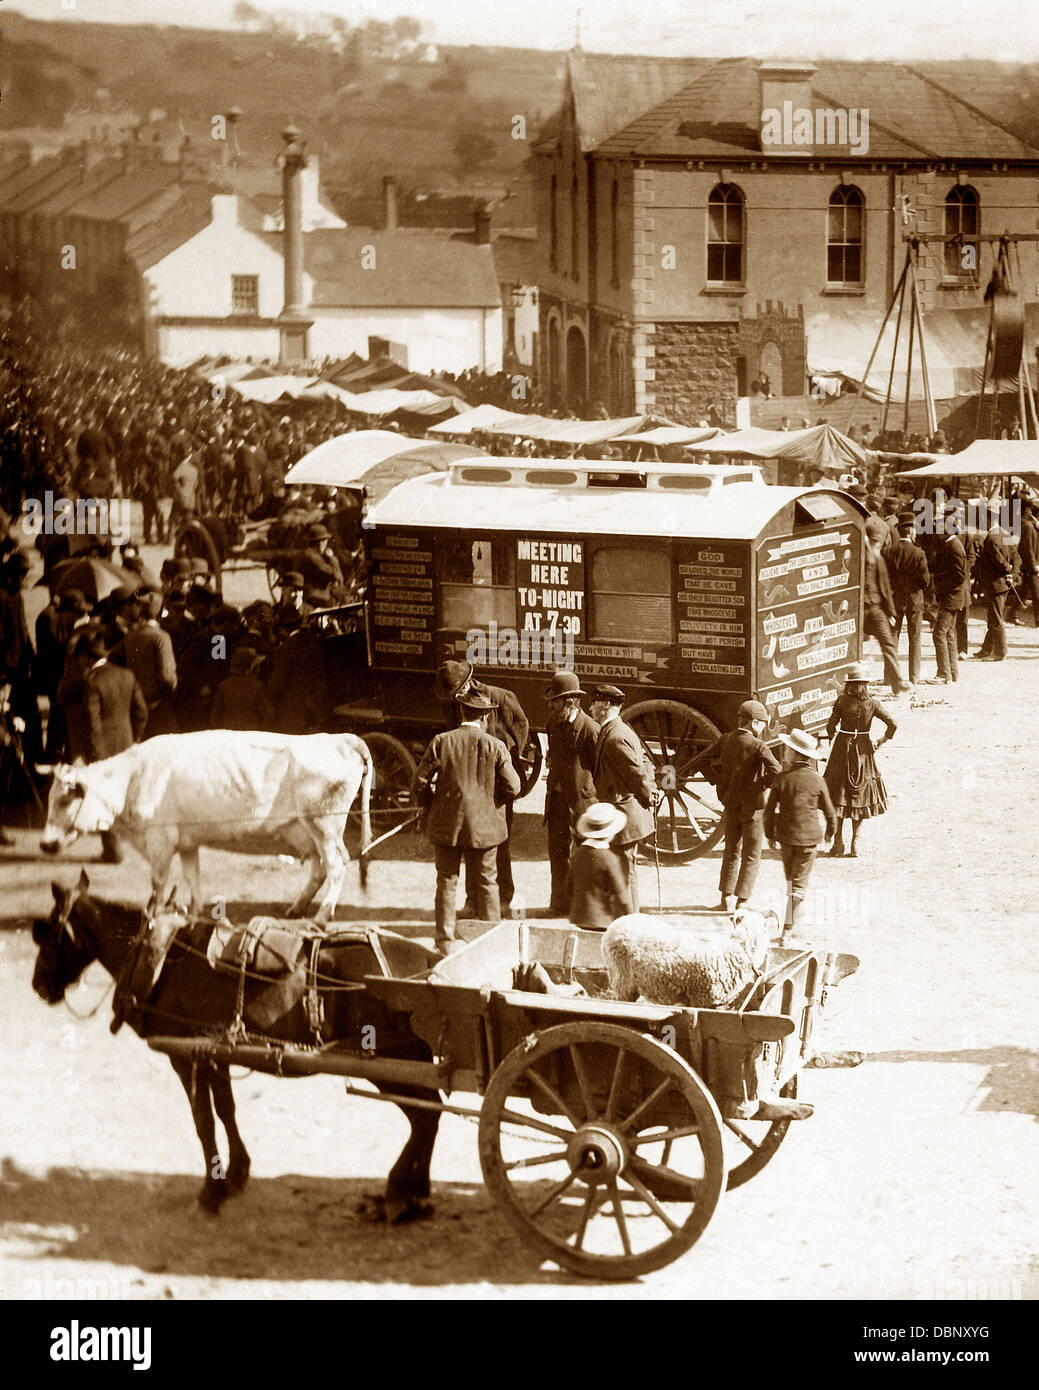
(704, 224)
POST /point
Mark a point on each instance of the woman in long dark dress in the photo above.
(855, 785)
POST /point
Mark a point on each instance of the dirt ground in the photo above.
(915, 1178)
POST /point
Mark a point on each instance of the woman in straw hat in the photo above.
(856, 786)
(792, 818)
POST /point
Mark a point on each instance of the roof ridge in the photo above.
(895, 135)
(975, 110)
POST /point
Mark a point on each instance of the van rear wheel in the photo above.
(687, 814)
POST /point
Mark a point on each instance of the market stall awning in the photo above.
(375, 459)
(268, 389)
(985, 458)
(581, 432)
(668, 434)
(820, 446)
(481, 417)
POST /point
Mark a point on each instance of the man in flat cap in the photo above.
(507, 722)
(907, 570)
(994, 570)
(742, 770)
(623, 777)
(148, 653)
(570, 789)
(465, 778)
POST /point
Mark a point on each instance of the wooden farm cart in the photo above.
(692, 587)
(608, 1131)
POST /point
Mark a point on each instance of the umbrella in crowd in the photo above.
(95, 578)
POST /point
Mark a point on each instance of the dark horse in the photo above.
(192, 999)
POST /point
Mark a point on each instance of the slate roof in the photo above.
(411, 271)
(911, 116)
(191, 214)
(611, 90)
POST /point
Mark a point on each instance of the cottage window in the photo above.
(844, 237)
(477, 583)
(725, 235)
(962, 219)
(245, 294)
(630, 595)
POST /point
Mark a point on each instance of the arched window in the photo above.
(844, 237)
(725, 235)
(962, 219)
(615, 267)
(553, 223)
(575, 228)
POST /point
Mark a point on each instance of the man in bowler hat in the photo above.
(465, 778)
(570, 789)
(623, 777)
(507, 722)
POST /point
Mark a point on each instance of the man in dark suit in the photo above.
(952, 595)
(878, 603)
(741, 768)
(116, 715)
(570, 789)
(907, 570)
(994, 570)
(506, 722)
(465, 778)
(148, 653)
(1028, 551)
(623, 777)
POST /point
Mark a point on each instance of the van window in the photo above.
(477, 583)
(630, 595)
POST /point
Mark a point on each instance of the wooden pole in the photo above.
(876, 345)
(894, 350)
(932, 419)
(909, 370)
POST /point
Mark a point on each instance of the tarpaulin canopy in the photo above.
(820, 446)
(481, 417)
(385, 401)
(576, 431)
(270, 388)
(375, 459)
(985, 458)
(669, 434)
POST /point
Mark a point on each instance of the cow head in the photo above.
(65, 948)
(72, 809)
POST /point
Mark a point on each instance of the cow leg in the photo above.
(193, 873)
(195, 1080)
(161, 859)
(328, 872)
(238, 1163)
(407, 1186)
(302, 903)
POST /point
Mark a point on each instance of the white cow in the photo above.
(256, 793)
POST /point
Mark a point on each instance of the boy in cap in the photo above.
(464, 778)
(570, 788)
(792, 818)
(741, 768)
(600, 891)
(623, 777)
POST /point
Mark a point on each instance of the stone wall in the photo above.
(772, 323)
(694, 367)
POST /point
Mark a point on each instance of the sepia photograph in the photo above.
(502, 514)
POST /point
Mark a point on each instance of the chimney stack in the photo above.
(389, 203)
(482, 222)
(786, 93)
(294, 321)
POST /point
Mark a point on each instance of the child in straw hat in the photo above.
(599, 886)
(792, 818)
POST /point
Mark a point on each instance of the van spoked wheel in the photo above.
(687, 815)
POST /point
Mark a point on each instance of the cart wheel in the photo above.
(758, 1141)
(531, 761)
(589, 1187)
(274, 581)
(688, 813)
(195, 542)
(392, 798)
